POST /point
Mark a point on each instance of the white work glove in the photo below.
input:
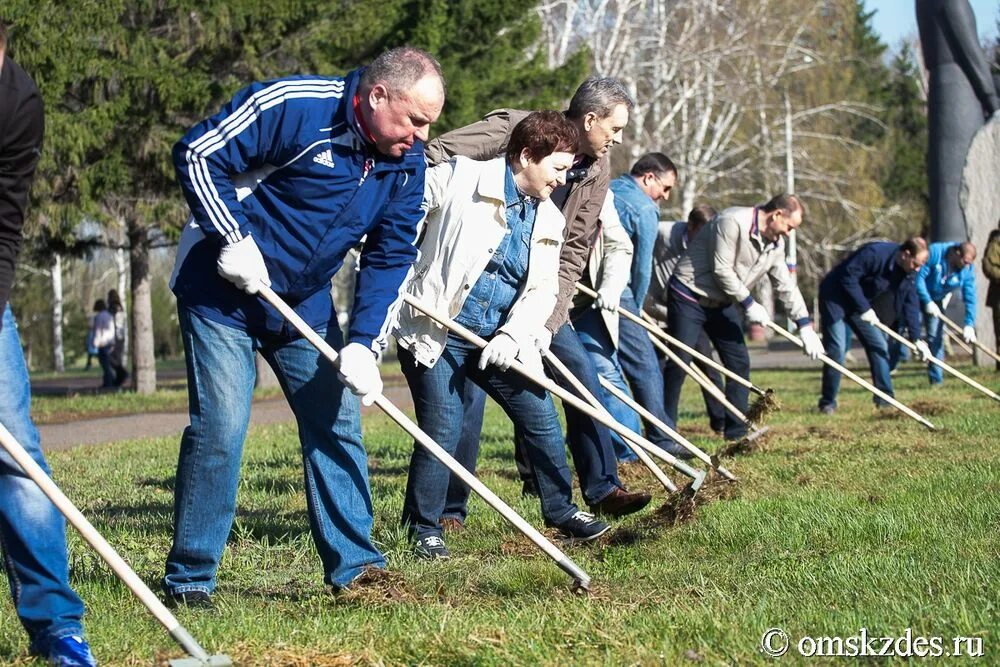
(870, 317)
(811, 343)
(501, 352)
(969, 334)
(607, 300)
(242, 264)
(543, 340)
(358, 370)
(932, 309)
(758, 313)
(923, 351)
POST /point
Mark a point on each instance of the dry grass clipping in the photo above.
(748, 444)
(763, 407)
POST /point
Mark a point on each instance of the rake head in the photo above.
(211, 661)
(745, 445)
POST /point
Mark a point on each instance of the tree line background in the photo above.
(718, 85)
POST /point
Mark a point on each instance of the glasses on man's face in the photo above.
(663, 186)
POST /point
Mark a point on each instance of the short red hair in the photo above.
(543, 133)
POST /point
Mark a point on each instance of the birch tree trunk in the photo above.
(58, 354)
(121, 264)
(143, 357)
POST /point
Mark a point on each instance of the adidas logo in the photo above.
(325, 158)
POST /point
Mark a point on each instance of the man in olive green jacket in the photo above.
(991, 268)
(600, 108)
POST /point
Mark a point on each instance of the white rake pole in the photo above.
(637, 448)
(704, 382)
(555, 389)
(659, 333)
(581, 578)
(687, 444)
(940, 364)
(855, 378)
(106, 551)
(957, 329)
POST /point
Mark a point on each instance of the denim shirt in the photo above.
(491, 298)
(640, 217)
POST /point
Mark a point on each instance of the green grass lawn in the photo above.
(860, 520)
(173, 398)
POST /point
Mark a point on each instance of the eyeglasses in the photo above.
(666, 188)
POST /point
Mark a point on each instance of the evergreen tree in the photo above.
(905, 176)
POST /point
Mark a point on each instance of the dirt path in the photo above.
(57, 437)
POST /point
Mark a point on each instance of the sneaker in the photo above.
(583, 527)
(620, 502)
(827, 409)
(191, 600)
(431, 548)
(71, 651)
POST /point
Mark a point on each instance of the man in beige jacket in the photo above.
(741, 246)
(600, 109)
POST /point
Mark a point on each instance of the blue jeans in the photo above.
(221, 372)
(32, 531)
(835, 331)
(438, 402)
(589, 442)
(107, 371)
(686, 321)
(935, 341)
(596, 340)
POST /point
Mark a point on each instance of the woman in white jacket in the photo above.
(489, 258)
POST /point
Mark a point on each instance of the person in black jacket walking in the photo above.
(32, 531)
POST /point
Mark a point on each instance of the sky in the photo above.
(896, 20)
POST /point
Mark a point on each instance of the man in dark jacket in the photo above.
(600, 109)
(282, 183)
(846, 295)
(32, 531)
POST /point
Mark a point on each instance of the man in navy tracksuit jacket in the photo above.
(846, 295)
(282, 183)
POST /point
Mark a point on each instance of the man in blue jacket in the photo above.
(846, 295)
(637, 197)
(282, 183)
(948, 268)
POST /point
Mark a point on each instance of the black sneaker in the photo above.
(583, 527)
(191, 600)
(431, 547)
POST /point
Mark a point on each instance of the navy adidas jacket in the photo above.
(287, 162)
(852, 286)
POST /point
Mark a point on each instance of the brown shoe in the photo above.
(452, 524)
(621, 502)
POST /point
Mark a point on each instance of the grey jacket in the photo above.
(487, 139)
(729, 256)
(671, 244)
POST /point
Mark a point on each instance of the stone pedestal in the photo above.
(980, 199)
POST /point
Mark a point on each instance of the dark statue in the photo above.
(962, 96)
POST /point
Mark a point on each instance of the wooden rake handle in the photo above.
(855, 378)
(957, 329)
(937, 362)
(580, 577)
(662, 335)
(549, 385)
